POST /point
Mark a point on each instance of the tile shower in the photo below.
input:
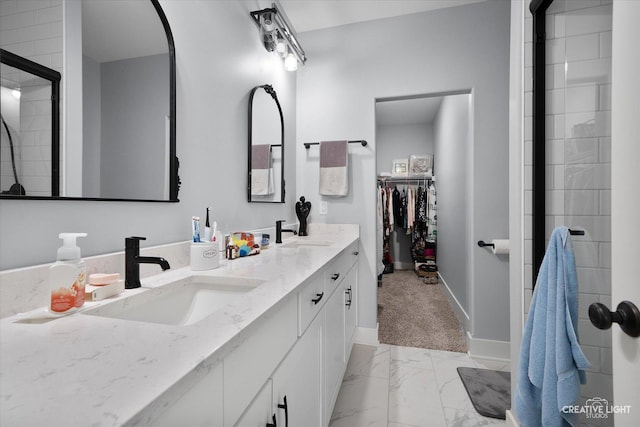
(578, 162)
(32, 30)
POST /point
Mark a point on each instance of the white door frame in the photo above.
(625, 201)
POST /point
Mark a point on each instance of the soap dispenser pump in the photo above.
(67, 276)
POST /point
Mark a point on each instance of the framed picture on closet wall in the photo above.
(400, 167)
(421, 164)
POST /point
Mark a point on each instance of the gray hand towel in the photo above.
(334, 162)
(261, 171)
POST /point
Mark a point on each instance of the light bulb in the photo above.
(290, 63)
(16, 93)
(281, 47)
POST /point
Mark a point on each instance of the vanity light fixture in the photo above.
(279, 36)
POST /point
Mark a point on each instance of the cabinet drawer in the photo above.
(311, 299)
(247, 367)
(338, 268)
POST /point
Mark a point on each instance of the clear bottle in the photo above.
(67, 276)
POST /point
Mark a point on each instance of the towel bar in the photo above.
(359, 141)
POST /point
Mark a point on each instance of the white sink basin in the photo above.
(183, 302)
(301, 243)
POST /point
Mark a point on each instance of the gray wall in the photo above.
(453, 139)
(133, 131)
(91, 123)
(399, 142)
(452, 49)
(213, 84)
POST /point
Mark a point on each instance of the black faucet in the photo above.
(132, 261)
(279, 231)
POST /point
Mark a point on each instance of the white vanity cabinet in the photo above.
(288, 371)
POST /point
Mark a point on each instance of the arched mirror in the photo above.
(118, 117)
(266, 146)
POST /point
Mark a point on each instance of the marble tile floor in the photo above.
(407, 387)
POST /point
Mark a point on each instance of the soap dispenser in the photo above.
(67, 276)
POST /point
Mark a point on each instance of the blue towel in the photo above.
(551, 362)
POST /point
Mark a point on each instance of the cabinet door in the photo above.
(260, 412)
(250, 364)
(201, 405)
(334, 362)
(297, 397)
(350, 286)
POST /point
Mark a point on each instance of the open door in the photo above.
(625, 204)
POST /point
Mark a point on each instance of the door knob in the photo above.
(626, 314)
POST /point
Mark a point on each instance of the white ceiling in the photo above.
(307, 15)
(407, 111)
(121, 30)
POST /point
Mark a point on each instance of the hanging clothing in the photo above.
(411, 209)
(380, 233)
(397, 208)
(390, 208)
(403, 209)
(421, 205)
(432, 213)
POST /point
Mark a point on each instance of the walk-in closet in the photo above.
(422, 144)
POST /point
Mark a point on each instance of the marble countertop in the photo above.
(90, 370)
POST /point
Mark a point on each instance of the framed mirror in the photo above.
(266, 147)
(119, 76)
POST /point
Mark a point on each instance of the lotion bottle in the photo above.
(67, 276)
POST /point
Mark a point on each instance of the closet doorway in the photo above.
(423, 159)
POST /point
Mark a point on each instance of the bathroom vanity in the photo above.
(273, 354)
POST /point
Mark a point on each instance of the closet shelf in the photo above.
(406, 179)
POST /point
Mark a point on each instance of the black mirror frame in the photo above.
(174, 163)
(24, 64)
(271, 91)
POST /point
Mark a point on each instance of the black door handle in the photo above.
(335, 276)
(319, 297)
(286, 411)
(626, 314)
(275, 423)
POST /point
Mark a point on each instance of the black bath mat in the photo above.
(490, 391)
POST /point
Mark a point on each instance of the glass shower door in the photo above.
(580, 52)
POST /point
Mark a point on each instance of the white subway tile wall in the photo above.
(32, 29)
(578, 161)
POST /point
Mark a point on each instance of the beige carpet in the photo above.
(413, 314)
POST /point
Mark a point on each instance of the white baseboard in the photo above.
(489, 349)
(366, 336)
(455, 304)
(511, 419)
(485, 349)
